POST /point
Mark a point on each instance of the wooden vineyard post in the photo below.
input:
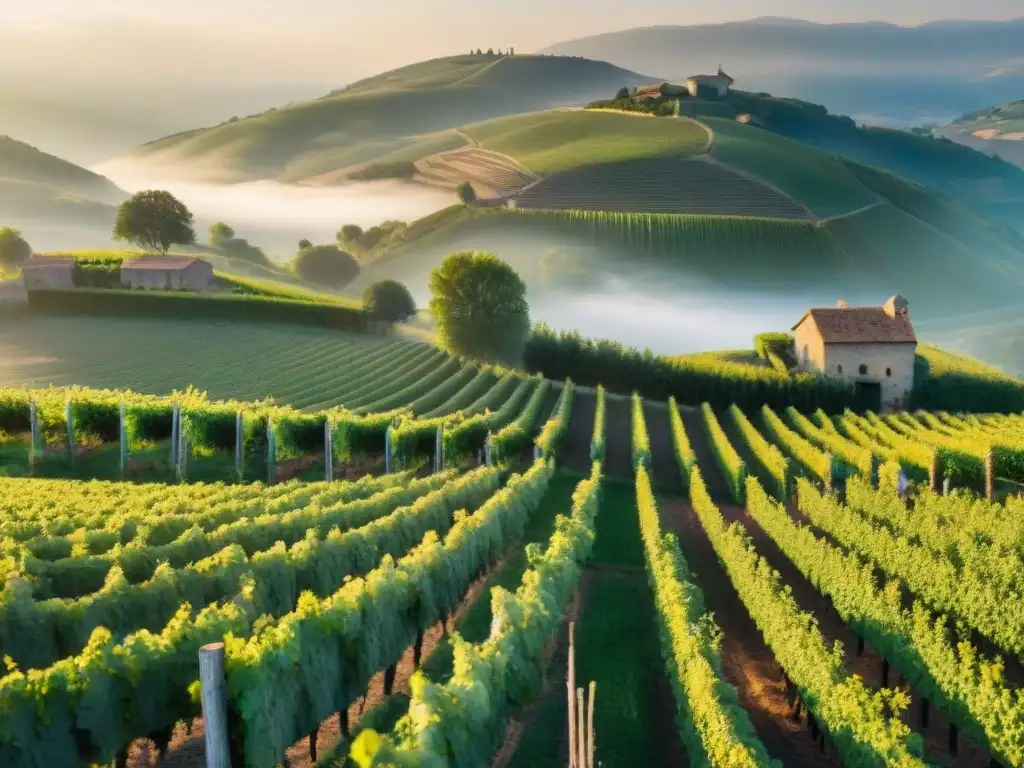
(945, 486)
(175, 430)
(538, 452)
(831, 471)
(182, 453)
(213, 690)
(123, 435)
(934, 471)
(571, 687)
(488, 451)
(328, 451)
(387, 451)
(70, 426)
(239, 444)
(271, 452)
(439, 450)
(581, 739)
(990, 475)
(33, 420)
(590, 724)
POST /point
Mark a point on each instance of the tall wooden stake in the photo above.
(328, 451)
(439, 450)
(488, 455)
(590, 724)
(33, 420)
(581, 741)
(387, 451)
(239, 443)
(213, 690)
(175, 429)
(990, 475)
(70, 425)
(271, 452)
(571, 688)
(123, 434)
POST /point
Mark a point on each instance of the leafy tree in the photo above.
(304, 244)
(466, 193)
(350, 233)
(325, 265)
(220, 233)
(511, 51)
(154, 220)
(622, 93)
(480, 306)
(490, 51)
(14, 249)
(389, 300)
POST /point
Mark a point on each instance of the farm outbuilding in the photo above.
(41, 273)
(167, 273)
(875, 347)
(12, 293)
(710, 86)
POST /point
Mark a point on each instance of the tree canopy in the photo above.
(154, 220)
(349, 233)
(325, 265)
(220, 233)
(14, 249)
(480, 306)
(304, 244)
(466, 193)
(389, 300)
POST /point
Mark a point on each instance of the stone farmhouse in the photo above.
(167, 273)
(874, 347)
(710, 86)
(41, 273)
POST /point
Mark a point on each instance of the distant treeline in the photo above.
(624, 370)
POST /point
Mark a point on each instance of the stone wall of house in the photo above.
(810, 349)
(44, 277)
(12, 293)
(198, 276)
(891, 365)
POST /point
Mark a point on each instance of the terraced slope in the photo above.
(490, 173)
(548, 142)
(694, 185)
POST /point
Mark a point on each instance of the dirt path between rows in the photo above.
(581, 430)
(693, 421)
(869, 664)
(618, 443)
(747, 662)
(664, 466)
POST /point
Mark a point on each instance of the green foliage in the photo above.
(597, 441)
(864, 725)
(945, 668)
(685, 456)
(154, 220)
(294, 672)
(553, 435)
(14, 249)
(624, 104)
(480, 306)
(467, 714)
(510, 441)
(770, 457)
(100, 272)
(219, 233)
(729, 462)
(349, 233)
(711, 720)
(623, 370)
(777, 349)
(944, 381)
(854, 455)
(390, 301)
(326, 265)
(179, 304)
(398, 169)
(356, 436)
(810, 456)
(466, 193)
(640, 439)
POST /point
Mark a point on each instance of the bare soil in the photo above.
(717, 486)
(747, 662)
(581, 431)
(664, 465)
(618, 443)
(868, 664)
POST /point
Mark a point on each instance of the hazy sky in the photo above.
(365, 37)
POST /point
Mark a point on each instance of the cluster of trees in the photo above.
(222, 237)
(14, 249)
(326, 265)
(361, 242)
(491, 52)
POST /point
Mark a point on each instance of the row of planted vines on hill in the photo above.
(724, 241)
(624, 370)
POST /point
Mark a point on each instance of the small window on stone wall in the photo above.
(888, 371)
(863, 369)
(839, 369)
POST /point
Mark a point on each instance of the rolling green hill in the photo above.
(38, 187)
(374, 118)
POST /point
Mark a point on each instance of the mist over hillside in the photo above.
(874, 72)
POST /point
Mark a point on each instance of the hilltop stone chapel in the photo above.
(874, 347)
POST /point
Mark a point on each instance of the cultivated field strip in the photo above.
(659, 185)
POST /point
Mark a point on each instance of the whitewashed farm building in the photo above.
(710, 86)
(41, 273)
(874, 347)
(167, 273)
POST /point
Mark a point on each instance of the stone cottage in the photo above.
(710, 86)
(874, 347)
(167, 273)
(41, 273)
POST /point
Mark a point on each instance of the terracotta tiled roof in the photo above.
(860, 325)
(160, 262)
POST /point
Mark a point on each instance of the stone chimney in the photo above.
(896, 306)
(841, 304)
